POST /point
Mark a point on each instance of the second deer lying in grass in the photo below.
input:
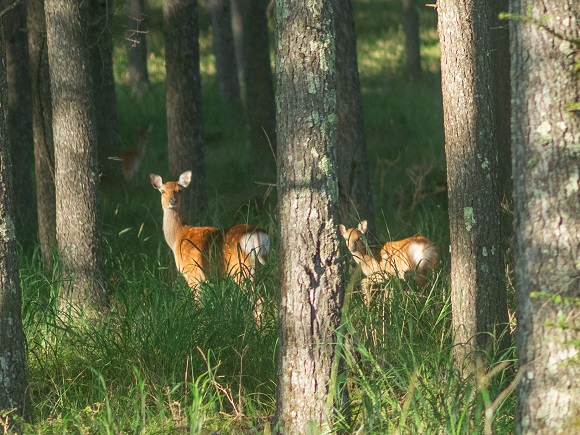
(414, 254)
(201, 251)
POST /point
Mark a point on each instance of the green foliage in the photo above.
(167, 360)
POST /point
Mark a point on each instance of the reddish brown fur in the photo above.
(392, 259)
(202, 251)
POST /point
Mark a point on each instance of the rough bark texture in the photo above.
(353, 172)
(42, 128)
(20, 121)
(310, 293)
(76, 173)
(105, 100)
(258, 82)
(136, 43)
(13, 378)
(412, 40)
(546, 164)
(478, 289)
(184, 103)
(225, 53)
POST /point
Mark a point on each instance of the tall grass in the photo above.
(164, 360)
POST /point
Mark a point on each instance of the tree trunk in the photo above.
(546, 165)
(137, 43)
(311, 287)
(258, 81)
(412, 39)
(76, 177)
(500, 67)
(355, 198)
(42, 127)
(225, 53)
(478, 288)
(184, 103)
(13, 377)
(20, 121)
(105, 100)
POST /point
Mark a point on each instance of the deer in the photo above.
(397, 258)
(130, 158)
(200, 252)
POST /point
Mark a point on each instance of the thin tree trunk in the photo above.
(412, 39)
(311, 287)
(13, 377)
(184, 103)
(353, 175)
(105, 100)
(478, 289)
(136, 36)
(76, 177)
(225, 53)
(20, 120)
(500, 67)
(546, 165)
(258, 81)
(42, 127)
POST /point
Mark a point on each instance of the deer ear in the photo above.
(342, 229)
(362, 227)
(156, 181)
(185, 179)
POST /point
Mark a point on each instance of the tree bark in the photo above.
(546, 165)
(478, 288)
(311, 287)
(258, 81)
(76, 172)
(13, 377)
(225, 53)
(355, 198)
(42, 128)
(412, 39)
(105, 100)
(20, 121)
(184, 103)
(136, 36)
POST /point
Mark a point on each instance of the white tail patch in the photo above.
(256, 244)
(422, 256)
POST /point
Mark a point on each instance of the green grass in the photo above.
(163, 361)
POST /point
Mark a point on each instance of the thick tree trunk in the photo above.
(137, 43)
(356, 202)
(42, 127)
(258, 81)
(20, 121)
(225, 53)
(311, 287)
(478, 288)
(76, 175)
(13, 378)
(412, 39)
(105, 100)
(546, 165)
(184, 103)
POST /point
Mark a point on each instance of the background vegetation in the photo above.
(163, 361)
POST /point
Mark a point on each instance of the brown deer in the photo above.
(396, 258)
(201, 251)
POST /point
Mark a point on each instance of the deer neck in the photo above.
(172, 225)
(367, 262)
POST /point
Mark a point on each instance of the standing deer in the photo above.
(201, 251)
(396, 258)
